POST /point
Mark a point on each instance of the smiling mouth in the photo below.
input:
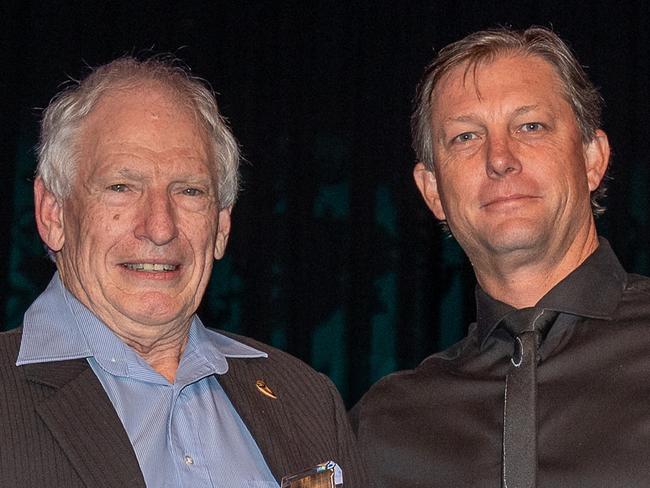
(150, 267)
(507, 200)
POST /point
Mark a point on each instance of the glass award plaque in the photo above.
(325, 475)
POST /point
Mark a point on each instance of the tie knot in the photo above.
(528, 320)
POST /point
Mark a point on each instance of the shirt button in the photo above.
(188, 460)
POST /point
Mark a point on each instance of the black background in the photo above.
(333, 257)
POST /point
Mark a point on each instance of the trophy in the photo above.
(325, 475)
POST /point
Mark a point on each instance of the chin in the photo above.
(515, 237)
(521, 244)
(156, 318)
(156, 310)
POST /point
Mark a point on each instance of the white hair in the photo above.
(59, 151)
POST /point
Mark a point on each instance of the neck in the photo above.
(164, 353)
(522, 282)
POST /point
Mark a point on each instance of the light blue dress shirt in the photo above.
(185, 434)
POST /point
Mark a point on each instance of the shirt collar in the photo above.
(58, 327)
(592, 290)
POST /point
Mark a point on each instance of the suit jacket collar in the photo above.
(82, 419)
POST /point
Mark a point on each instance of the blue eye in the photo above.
(532, 127)
(192, 192)
(465, 137)
(119, 187)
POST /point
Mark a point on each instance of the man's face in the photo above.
(142, 225)
(512, 174)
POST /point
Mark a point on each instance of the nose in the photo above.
(158, 220)
(501, 160)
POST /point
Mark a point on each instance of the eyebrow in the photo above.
(131, 174)
(461, 118)
(465, 118)
(193, 180)
(525, 109)
(471, 117)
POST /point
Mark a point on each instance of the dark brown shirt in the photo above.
(441, 424)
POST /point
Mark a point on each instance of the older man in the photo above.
(113, 380)
(550, 387)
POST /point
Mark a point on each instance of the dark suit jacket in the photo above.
(58, 427)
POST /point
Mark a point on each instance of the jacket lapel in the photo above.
(267, 418)
(82, 419)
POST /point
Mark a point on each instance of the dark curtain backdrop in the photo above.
(333, 256)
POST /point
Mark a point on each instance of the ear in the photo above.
(223, 231)
(49, 216)
(426, 182)
(597, 159)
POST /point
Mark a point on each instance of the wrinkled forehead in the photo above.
(146, 113)
(468, 75)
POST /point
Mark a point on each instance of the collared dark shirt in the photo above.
(441, 424)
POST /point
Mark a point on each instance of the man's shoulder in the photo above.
(633, 308)
(278, 363)
(638, 283)
(13, 379)
(409, 383)
(11, 335)
(636, 296)
(9, 346)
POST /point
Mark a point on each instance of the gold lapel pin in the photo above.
(264, 389)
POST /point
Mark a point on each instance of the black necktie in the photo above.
(520, 400)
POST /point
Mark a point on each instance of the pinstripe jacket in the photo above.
(58, 427)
